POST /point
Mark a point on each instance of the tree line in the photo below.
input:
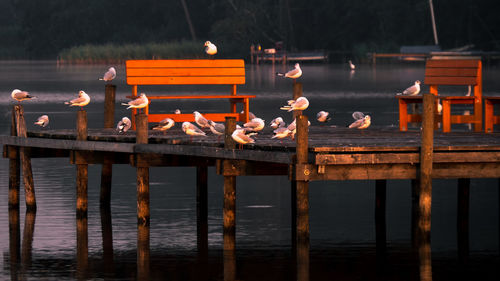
(41, 29)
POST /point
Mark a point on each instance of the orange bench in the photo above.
(461, 72)
(490, 118)
(190, 72)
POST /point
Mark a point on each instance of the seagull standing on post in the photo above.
(19, 95)
(109, 75)
(294, 73)
(140, 102)
(82, 100)
(299, 104)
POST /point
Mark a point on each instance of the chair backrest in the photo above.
(185, 72)
(454, 72)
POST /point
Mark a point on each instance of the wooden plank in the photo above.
(183, 71)
(453, 63)
(186, 62)
(185, 80)
(452, 80)
(452, 72)
(68, 144)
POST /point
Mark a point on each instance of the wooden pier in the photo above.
(317, 153)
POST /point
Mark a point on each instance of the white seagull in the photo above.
(42, 121)
(216, 128)
(412, 90)
(362, 121)
(254, 125)
(294, 73)
(281, 133)
(240, 137)
(19, 95)
(82, 100)
(323, 116)
(164, 124)
(277, 123)
(177, 111)
(293, 128)
(192, 130)
(140, 102)
(250, 115)
(351, 65)
(123, 125)
(300, 104)
(210, 48)
(201, 120)
(109, 75)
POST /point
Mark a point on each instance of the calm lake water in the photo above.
(342, 219)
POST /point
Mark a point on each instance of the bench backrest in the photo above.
(185, 72)
(453, 72)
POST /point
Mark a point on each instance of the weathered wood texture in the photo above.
(14, 168)
(490, 118)
(229, 208)
(29, 186)
(81, 169)
(143, 212)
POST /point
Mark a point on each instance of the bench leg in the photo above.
(478, 115)
(446, 116)
(403, 115)
(488, 116)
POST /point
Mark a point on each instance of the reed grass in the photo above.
(115, 53)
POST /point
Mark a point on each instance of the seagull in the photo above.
(412, 90)
(277, 123)
(294, 73)
(192, 130)
(42, 121)
(216, 128)
(164, 124)
(109, 75)
(123, 125)
(140, 102)
(281, 133)
(201, 120)
(362, 121)
(240, 137)
(351, 65)
(323, 116)
(293, 128)
(82, 100)
(177, 111)
(210, 48)
(254, 125)
(300, 104)
(19, 95)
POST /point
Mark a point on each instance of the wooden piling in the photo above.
(107, 166)
(14, 239)
(107, 240)
(29, 187)
(229, 209)
(14, 168)
(380, 220)
(202, 209)
(81, 167)
(27, 244)
(143, 208)
(463, 195)
(425, 175)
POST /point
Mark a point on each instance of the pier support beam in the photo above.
(14, 169)
(302, 202)
(229, 209)
(107, 167)
(143, 210)
(82, 242)
(29, 187)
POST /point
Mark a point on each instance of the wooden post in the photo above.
(229, 209)
(302, 201)
(380, 222)
(143, 209)
(29, 187)
(14, 241)
(202, 209)
(107, 240)
(81, 168)
(463, 196)
(107, 166)
(425, 175)
(27, 245)
(14, 168)
(415, 200)
(297, 93)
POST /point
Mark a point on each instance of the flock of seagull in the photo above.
(242, 134)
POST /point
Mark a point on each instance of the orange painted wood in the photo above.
(186, 71)
(490, 118)
(204, 97)
(451, 72)
(453, 63)
(216, 117)
(215, 80)
(403, 115)
(447, 80)
(186, 63)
